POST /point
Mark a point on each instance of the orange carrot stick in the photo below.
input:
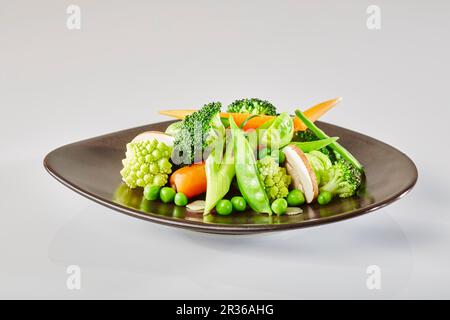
(315, 112)
(190, 180)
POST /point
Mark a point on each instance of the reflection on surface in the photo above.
(133, 198)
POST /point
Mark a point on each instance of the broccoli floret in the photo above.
(196, 133)
(253, 106)
(307, 136)
(304, 136)
(146, 163)
(276, 180)
(342, 179)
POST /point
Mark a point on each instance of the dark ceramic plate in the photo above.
(91, 168)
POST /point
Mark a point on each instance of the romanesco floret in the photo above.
(146, 163)
(276, 180)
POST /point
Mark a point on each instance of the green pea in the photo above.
(239, 203)
(167, 194)
(279, 206)
(295, 198)
(151, 192)
(324, 197)
(180, 199)
(224, 207)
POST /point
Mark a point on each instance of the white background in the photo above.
(131, 58)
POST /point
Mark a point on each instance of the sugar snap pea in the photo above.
(247, 173)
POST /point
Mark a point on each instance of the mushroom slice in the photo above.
(159, 136)
(301, 171)
(295, 177)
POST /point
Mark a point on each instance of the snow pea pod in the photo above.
(247, 174)
(218, 176)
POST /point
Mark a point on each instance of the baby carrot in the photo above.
(190, 180)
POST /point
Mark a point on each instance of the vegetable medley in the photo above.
(248, 157)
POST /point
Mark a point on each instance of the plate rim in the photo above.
(222, 228)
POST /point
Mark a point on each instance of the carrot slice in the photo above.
(241, 118)
(190, 180)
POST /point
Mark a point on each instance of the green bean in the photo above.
(314, 145)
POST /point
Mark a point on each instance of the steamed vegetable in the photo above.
(303, 137)
(277, 133)
(190, 180)
(224, 207)
(198, 131)
(324, 198)
(320, 164)
(196, 206)
(295, 198)
(279, 206)
(275, 179)
(297, 162)
(151, 193)
(219, 174)
(158, 136)
(302, 173)
(146, 163)
(252, 106)
(343, 179)
(239, 203)
(167, 194)
(246, 121)
(174, 128)
(180, 199)
(313, 113)
(335, 146)
(314, 145)
(247, 173)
